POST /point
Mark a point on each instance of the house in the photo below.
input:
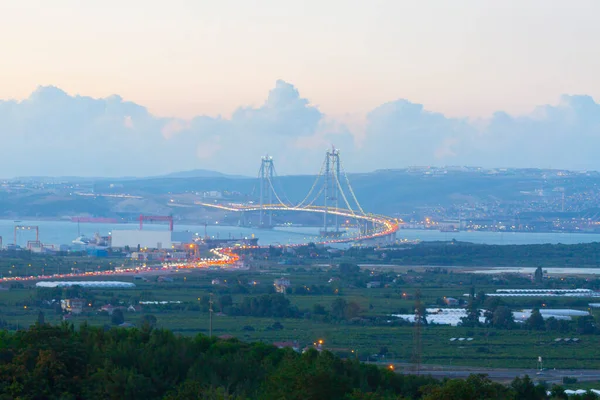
(217, 282)
(281, 285)
(450, 301)
(73, 306)
(109, 308)
(372, 285)
(126, 325)
(292, 345)
(226, 337)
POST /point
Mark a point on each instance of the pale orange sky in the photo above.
(190, 57)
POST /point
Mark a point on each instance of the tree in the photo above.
(352, 310)
(585, 325)
(338, 308)
(536, 321)
(503, 318)
(420, 309)
(477, 386)
(557, 392)
(149, 320)
(225, 301)
(117, 317)
(342, 309)
(481, 297)
(346, 268)
(524, 388)
(538, 275)
(472, 318)
(318, 309)
(277, 326)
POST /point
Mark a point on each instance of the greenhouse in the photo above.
(87, 284)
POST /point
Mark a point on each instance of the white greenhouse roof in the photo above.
(86, 284)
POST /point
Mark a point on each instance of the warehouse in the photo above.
(143, 239)
(86, 284)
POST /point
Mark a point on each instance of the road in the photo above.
(499, 374)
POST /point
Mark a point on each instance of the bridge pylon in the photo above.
(266, 193)
(331, 190)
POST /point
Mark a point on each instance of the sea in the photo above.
(64, 232)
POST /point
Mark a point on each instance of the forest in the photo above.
(61, 362)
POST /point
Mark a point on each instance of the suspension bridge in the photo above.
(331, 195)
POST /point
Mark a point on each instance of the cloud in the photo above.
(402, 133)
(54, 133)
(565, 135)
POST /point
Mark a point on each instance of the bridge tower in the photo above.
(331, 189)
(265, 175)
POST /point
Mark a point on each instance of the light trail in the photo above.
(226, 257)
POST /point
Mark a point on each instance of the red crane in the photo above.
(156, 218)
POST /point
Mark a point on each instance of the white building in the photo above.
(86, 284)
(139, 238)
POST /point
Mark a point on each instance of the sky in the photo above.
(149, 87)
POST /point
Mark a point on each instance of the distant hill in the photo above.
(201, 173)
(196, 173)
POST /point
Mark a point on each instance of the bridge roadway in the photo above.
(386, 226)
(226, 257)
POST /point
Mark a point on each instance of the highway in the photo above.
(226, 257)
(496, 374)
(385, 226)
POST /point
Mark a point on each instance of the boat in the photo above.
(97, 240)
(82, 240)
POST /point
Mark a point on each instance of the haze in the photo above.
(215, 85)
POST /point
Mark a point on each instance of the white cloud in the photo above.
(54, 133)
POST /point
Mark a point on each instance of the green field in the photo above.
(366, 337)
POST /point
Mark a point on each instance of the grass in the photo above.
(489, 347)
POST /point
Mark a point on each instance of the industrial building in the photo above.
(147, 239)
(86, 284)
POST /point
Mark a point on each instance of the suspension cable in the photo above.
(274, 192)
(313, 186)
(351, 191)
(339, 185)
(315, 198)
(285, 197)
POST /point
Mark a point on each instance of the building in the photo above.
(73, 306)
(281, 285)
(86, 284)
(450, 301)
(108, 308)
(292, 345)
(141, 239)
(213, 194)
(372, 285)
